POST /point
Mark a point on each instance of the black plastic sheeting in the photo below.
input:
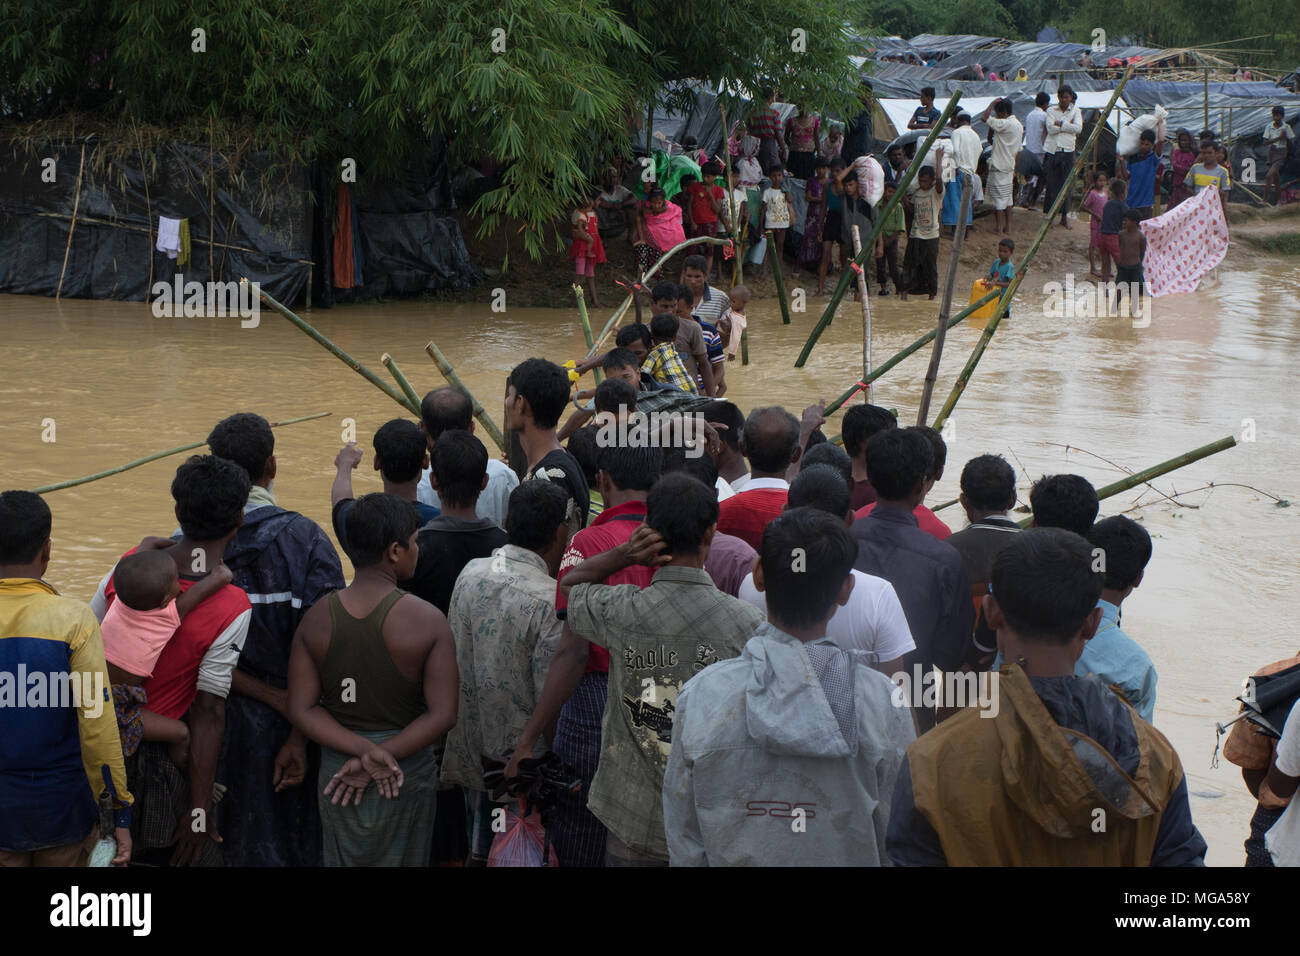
(113, 241)
(702, 121)
(267, 227)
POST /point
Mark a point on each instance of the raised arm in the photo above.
(346, 462)
(203, 588)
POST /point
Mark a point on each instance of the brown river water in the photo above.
(1220, 596)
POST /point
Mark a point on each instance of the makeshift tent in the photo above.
(931, 44)
(899, 112)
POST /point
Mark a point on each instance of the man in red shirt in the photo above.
(576, 688)
(772, 445)
(192, 676)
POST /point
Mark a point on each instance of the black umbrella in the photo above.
(1267, 701)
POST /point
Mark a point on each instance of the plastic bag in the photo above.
(521, 843)
(1126, 144)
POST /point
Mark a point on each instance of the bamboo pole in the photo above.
(341, 355)
(775, 253)
(586, 328)
(76, 202)
(130, 228)
(842, 286)
(212, 192)
(1207, 99)
(1009, 292)
(148, 202)
(899, 356)
(73, 482)
(627, 303)
(866, 312)
(744, 347)
(941, 329)
(454, 381)
(402, 381)
(738, 265)
(1155, 471)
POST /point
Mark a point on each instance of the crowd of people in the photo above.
(738, 643)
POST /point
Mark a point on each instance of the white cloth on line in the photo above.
(169, 236)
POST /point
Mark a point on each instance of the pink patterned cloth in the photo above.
(1184, 244)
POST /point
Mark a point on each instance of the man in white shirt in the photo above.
(1030, 162)
(872, 620)
(447, 409)
(966, 150)
(1064, 124)
(1002, 164)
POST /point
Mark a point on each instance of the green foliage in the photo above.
(373, 80)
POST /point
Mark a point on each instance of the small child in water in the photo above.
(733, 323)
(141, 620)
(1095, 204)
(1132, 250)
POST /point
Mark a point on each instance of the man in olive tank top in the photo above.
(372, 679)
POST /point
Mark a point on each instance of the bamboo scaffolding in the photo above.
(1010, 291)
(941, 329)
(148, 202)
(778, 278)
(627, 303)
(73, 482)
(899, 356)
(212, 193)
(454, 381)
(402, 382)
(1155, 471)
(341, 355)
(842, 286)
(76, 203)
(586, 328)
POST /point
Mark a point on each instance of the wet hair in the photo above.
(459, 463)
(630, 467)
(938, 447)
(863, 421)
(535, 511)
(375, 522)
(1125, 547)
(620, 358)
(141, 580)
(989, 483)
(1008, 242)
(1064, 501)
(822, 487)
(1042, 99)
(25, 523)
(701, 467)
(729, 414)
(247, 440)
(663, 327)
(1118, 188)
(827, 454)
(614, 393)
(663, 291)
(771, 438)
(583, 446)
(1149, 135)
(545, 386)
(897, 461)
(698, 263)
(445, 409)
(636, 332)
(400, 447)
(1044, 583)
(927, 91)
(800, 593)
(1133, 214)
(210, 495)
(681, 509)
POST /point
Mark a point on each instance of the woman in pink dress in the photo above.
(658, 228)
(1182, 159)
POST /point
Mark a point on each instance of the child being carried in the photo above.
(138, 625)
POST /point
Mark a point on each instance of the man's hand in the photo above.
(123, 855)
(189, 841)
(646, 546)
(814, 417)
(290, 767)
(349, 456)
(384, 770)
(349, 783)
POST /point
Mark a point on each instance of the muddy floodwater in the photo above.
(1220, 597)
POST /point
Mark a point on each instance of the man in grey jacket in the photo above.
(787, 755)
